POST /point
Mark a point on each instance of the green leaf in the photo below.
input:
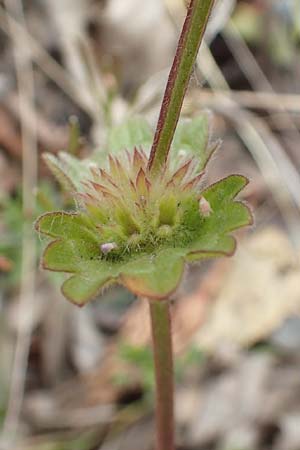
(211, 246)
(69, 170)
(224, 190)
(69, 255)
(151, 261)
(60, 224)
(92, 277)
(60, 256)
(154, 276)
(136, 132)
(226, 216)
(79, 289)
(192, 138)
(59, 172)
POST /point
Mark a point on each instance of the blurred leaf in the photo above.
(192, 137)
(260, 290)
(12, 221)
(136, 132)
(74, 135)
(249, 22)
(296, 16)
(68, 170)
(281, 46)
(192, 357)
(82, 441)
(141, 357)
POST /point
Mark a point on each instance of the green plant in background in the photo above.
(283, 22)
(141, 359)
(12, 220)
(84, 441)
(140, 218)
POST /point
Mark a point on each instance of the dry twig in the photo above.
(16, 30)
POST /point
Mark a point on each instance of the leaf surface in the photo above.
(192, 138)
(155, 276)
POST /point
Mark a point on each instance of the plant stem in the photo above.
(163, 359)
(185, 57)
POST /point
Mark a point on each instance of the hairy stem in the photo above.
(163, 359)
(185, 57)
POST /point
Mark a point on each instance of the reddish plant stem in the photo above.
(163, 359)
(185, 57)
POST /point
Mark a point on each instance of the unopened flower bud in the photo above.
(108, 247)
(204, 207)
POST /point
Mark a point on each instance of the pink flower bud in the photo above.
(108, 247)
(204, 207)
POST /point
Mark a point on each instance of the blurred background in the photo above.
(71, 73)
